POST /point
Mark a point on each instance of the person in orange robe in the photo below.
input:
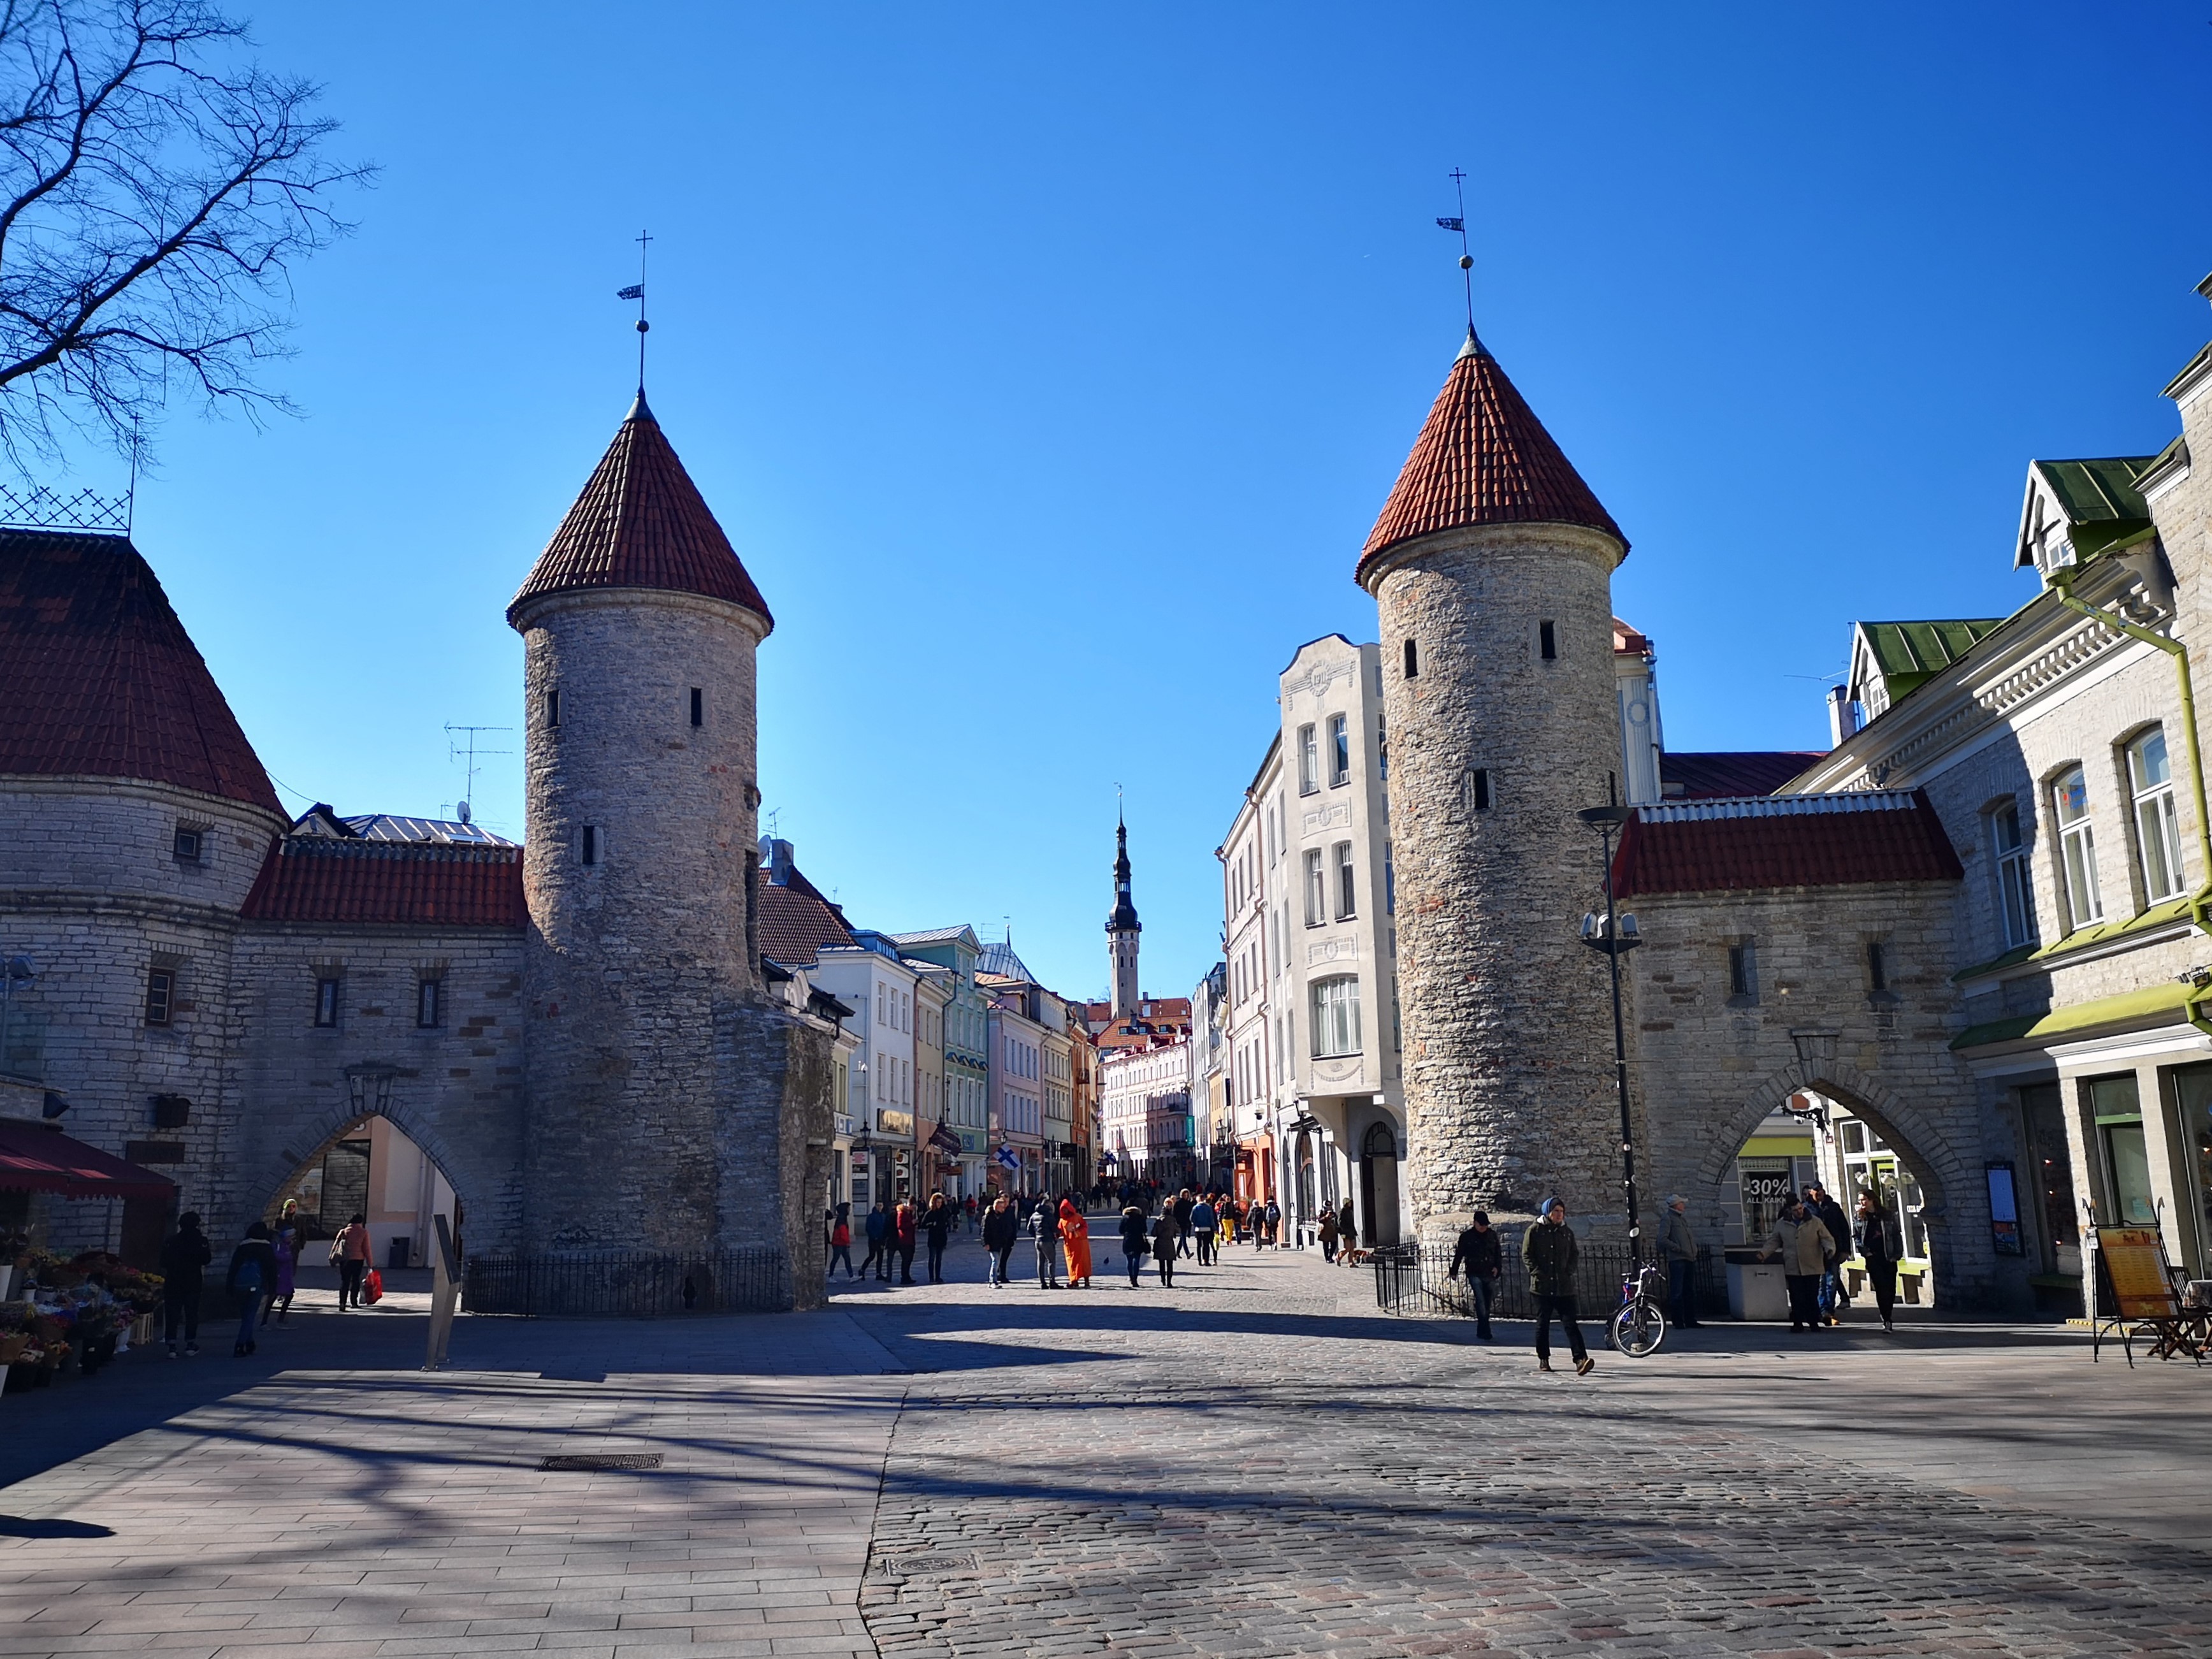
(1075, 1240)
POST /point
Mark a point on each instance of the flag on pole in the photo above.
(1006, 1157)
(636, 290)
(1441, 224)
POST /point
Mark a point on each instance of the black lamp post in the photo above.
(1615, 935)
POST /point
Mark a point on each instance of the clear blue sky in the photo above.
(1048, 365)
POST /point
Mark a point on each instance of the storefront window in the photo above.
(1764, 1183)
(1869, 1166)
(2192, 1090)
(2119, 1114)
(2053, 1166)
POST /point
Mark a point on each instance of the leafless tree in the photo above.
(158, 187)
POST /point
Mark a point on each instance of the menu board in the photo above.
(2135, 1265)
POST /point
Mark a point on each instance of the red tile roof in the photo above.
(796, 922)
(98, 678)
(1482, 457)
(1784, 840)
(1728, 773)
(640, 522)
(309, 878)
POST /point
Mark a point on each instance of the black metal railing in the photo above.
(617, 1284)
(1412, 1280)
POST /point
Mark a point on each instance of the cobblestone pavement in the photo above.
(1256, 1462)
(1268, 1469)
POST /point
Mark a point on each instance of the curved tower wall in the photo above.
(639, 959)
(1507, 1018)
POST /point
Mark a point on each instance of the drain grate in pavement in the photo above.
(926, 1567)
(602, 1461)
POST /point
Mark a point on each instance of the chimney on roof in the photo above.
(1843, 714)
(777, 855)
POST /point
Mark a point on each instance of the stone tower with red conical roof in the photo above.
(662, 1085)
(1492, 568)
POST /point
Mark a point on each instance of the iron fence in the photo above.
(637, 1284)
(1413, 1279)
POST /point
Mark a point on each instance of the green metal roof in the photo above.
(2097, 496)
(1905, 653)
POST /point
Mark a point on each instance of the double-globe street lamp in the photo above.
(1615, 935)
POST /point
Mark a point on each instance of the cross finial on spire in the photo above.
(1458, 223)
(636, 291)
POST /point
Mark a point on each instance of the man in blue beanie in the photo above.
(1547, 1249)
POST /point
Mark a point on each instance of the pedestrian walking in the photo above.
(285, 1242)
(1881, 1247)
(1835, 1290)
(1347, 1230)
(878, 1229)
(1185, 1207)
(1044, 1229)
(349, 1253)
(1803, 1243)
(937, 1224)
(841, 1241)
(1133, 1245)
(968, 1207)
(1680, 1246)
(1206, 1223)
(1325, 1231)
(1075, 1240)
(253, 1275)
(1002, 1228)
(186, 1255)
(904, 1234)
(1271, 1218)
(1166, 1236)
(1550, 1254)
(1482, 1258)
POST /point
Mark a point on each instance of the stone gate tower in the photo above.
(1492, 567)
(661, 1084)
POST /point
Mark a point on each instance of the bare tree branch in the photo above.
(155, 191)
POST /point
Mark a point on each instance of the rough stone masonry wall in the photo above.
(773, 1129)
(1507, 1020)
(454, 1089)
(633, 957)
(1708, 1066)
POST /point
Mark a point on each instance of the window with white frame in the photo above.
(1317, 891)
(1309, 761)
(2158, 830)
(1347, 886)
(1339, 750)
(2015, 881)
(1336, 1016)
(2077, 848)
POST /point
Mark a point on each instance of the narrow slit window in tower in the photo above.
(326, 1002)
(1877, 967)
(698, 705)
(1412, 660)
(552, 710)
(591, 844)
(1548, 641)
(1477, 789)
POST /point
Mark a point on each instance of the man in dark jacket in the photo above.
(1133, 1246)
(1680, 1246)
(878, 1227)
(1548, 1251)
(1165, 1237)
(1184, 1204)
(253, 1275)
(1478, 1253)
(1001, 1229)
(184, 1257)
(1835, 1288)
(1044, 1228)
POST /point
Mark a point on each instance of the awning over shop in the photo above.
(35, 1159)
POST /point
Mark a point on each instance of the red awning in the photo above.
(35, 1159)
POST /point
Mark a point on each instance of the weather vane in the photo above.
(636, 291)
(1458, 223)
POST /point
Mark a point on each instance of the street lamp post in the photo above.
(1615, 935)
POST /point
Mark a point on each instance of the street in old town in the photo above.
(1253, 1462)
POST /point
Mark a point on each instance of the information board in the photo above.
(2135, 1265)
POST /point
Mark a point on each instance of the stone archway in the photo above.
(1378, 1184)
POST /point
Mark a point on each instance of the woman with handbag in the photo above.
(349, 1255)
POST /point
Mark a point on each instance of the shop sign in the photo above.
(860, 1158)
(972, 1144)
(847, 1125)
(893, 1123)
(2004, 1211)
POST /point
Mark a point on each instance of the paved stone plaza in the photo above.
(1253, 1463)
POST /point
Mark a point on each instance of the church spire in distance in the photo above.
(1122, 928)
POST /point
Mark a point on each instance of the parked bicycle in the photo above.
(1638, 1325)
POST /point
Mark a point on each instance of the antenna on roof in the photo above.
(1458, 223)
(466, 752)
(771, 822)
(636, 291)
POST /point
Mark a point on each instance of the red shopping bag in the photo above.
(372, 1287)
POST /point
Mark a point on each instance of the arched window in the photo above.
(2158, 833)
(2077, 848)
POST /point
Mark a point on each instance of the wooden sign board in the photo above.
(2135, 1263)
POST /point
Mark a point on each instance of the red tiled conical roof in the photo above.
(640, 522)
(1483, 458)
(98, 678)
